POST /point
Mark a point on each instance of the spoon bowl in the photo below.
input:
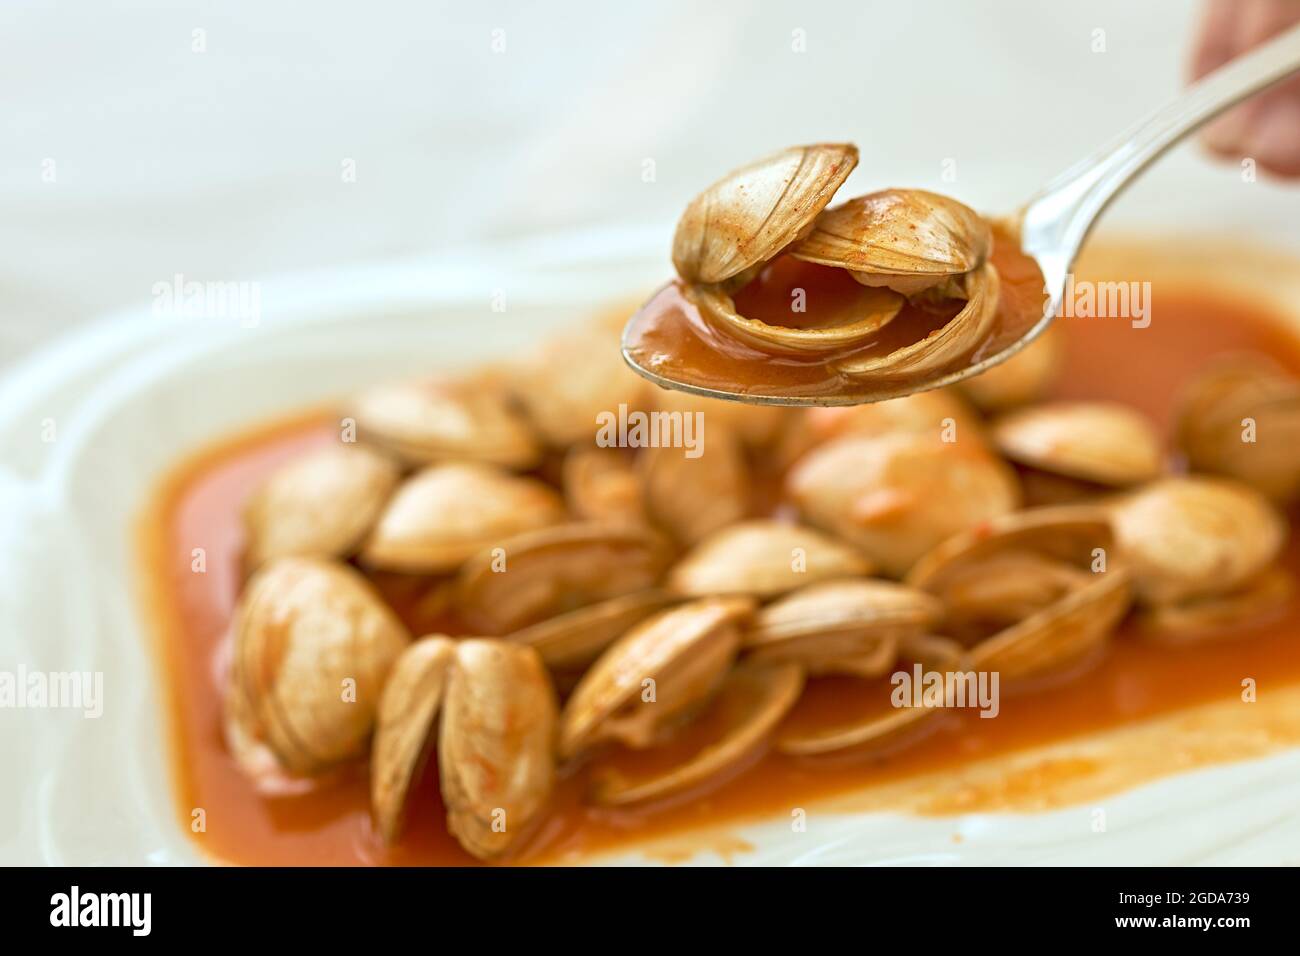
(1049, 229)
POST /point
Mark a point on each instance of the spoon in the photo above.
(1053, 225)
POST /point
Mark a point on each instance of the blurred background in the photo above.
(232, 140)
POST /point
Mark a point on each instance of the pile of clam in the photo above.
(577, 600)
(904, 246)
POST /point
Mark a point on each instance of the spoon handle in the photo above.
(1055, 222)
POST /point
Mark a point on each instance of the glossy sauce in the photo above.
(199, 505)
(672, 339)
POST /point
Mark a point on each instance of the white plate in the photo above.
(130, 395)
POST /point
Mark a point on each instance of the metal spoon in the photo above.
(1054, 224)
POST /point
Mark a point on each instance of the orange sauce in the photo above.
(672, 338)
(199, 506)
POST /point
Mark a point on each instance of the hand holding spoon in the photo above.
(912, 291)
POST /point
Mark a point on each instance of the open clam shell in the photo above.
(939, 350)
(1072, 609)
(320, 505)
(763, 558)
(848, 626)
(496, 746)
(665, 667)
(908, 237)
(898, 495)
(754, 212)
(760, 695)
(877, 308)
(1196, 537)
(313, 644)
(535, 576)
(933, 653)
(404, 734)
(1101, 442)
(571, 641)
(445, 513)
(445, 419)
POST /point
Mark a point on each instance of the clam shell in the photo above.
(313, 644)
(685, 650)
(941, 349)
(1196, 537)
(574, 379)
(1068, 614)
(320, 505)
(851, 626)
(754, 212)
(445, 513)
(1101, 442)
(441, 419)
(879, 308)
(899, 232)
(496, 747)
(1259, 600)
(896, 496)
(1021, 379)
(763, 558)
(764, 692)
(537, 575)
(572, 641)
(1212, 419)
(693, 497)
(921, 412)
(935, 653)
(602, 484)
(404, 735)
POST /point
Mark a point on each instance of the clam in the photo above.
(404, 731)
(848, 626)
(906, 239)
(574, 379)
(751, 214)
(441, 419)
(1261, 599)
(571, 641)
(694, 497)
(313, 644)
(496, 746)
(660, 671)
(933, 653)
(751, 701)
(320, 505)
(602, 484)
(896, 496)
(445, 513)
(1071, 587)
(1194, 537)
(537, 575)
(763, 558)
(1021, 379)
(954, 341)
(1241, 419)
(1100, 442)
